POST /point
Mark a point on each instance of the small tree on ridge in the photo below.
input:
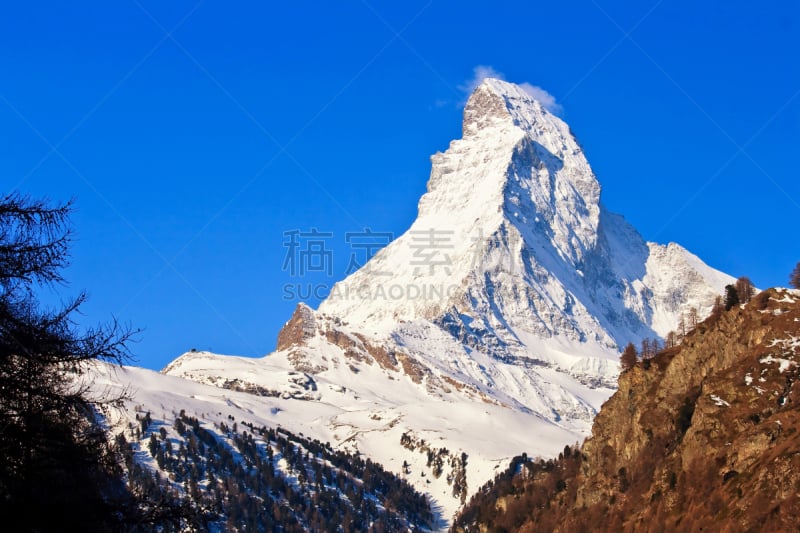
(794, 277)
(628, 358)
(731, 297)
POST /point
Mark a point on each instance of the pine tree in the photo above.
(794, 277)
(671, 340)
(731, 297)
(718, 307)
(628, 358)
(59, 471)
(646, 352)
(745, 289)
(655, 346)
(682, 326)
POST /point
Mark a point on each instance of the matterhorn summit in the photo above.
(513, 255)
(492, 326)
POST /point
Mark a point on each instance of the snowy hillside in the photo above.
(234, 468)
(362, 406)
(491, 327)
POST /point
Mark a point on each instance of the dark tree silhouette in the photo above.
(731, 297)
(628, 358)
(58, 470)
(794, 277)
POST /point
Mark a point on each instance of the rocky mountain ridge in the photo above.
(702, 437)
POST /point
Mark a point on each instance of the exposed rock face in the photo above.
(298, 329)
(702, 437)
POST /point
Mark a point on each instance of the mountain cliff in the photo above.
(703, 437)
(501, 309)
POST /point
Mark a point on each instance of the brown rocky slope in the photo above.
(703, 437)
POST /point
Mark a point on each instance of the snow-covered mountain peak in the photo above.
(518, 180)
(485, 108)
(508, 298)
(541, 176)
(495, 101)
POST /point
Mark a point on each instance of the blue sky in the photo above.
(193, 135)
